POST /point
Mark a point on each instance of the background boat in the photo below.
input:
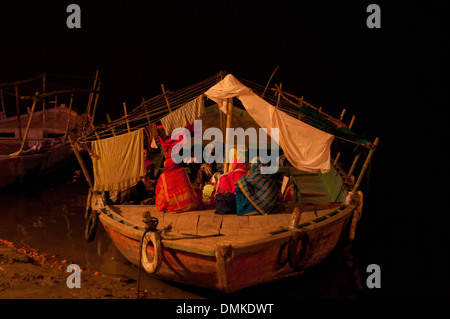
(35, 143)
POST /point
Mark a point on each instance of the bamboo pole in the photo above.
(126, 116)
(3, 102)
(30, 118)
(338, 155)
(145, 110)
(68, 114)
(342, 114)
(227, 142)
(279, 94)
(112, 128)
(352, 121)
(91, 95)
(268, 82)
(352, 168)
(81, 162)
(95, 102)
(365, 166)
(16, 89)
(166, 98)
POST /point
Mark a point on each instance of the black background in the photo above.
(393, 79)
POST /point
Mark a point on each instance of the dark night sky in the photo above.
(325, 53)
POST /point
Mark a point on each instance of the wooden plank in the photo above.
(187, 223)
(169, 221)
(232, 223)
(258, 221)
(208, 225)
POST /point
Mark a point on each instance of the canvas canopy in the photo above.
(306, 147)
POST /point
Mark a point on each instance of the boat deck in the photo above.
(212, 228)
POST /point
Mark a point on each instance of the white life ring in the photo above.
(151, 266)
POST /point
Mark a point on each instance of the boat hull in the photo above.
(16, 169)
(231, 264)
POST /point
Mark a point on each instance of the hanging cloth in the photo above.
(118, 161)
(306, 147)
(184, 115)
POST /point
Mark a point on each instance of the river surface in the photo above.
(49, 215)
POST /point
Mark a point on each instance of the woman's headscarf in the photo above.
(169, 165)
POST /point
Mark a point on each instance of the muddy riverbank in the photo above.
(27, 273)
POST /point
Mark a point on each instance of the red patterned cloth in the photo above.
(226, 182)
(174, 192)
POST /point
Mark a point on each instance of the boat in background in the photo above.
(230, 252)
(35, 143)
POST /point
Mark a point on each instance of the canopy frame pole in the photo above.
(365, 166)
(145, 110)
(112, 128)
(91, 96)
(268, 82)
(352, 168)
(81, 162)
(69, 111)
(16, 90)
(97, 93)
(227, 135)
(126, 116)
(166, 98)
(352, 121)
(279, 87)
(30, 118)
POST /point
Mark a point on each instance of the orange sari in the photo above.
(174, 192)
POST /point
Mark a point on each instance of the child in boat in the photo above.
(174, 192)
(256, 193)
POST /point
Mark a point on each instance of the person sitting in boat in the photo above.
(132, 195)
(204, 175)
(149, 184)
(227, 182)
(174, 192)
(256, 193)
(224, 194)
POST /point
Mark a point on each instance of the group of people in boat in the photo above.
(243, 190)
(239, 191)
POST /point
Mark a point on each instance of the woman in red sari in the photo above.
(174, 192)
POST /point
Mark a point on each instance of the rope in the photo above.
(150, 225)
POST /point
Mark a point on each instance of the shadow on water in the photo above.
(49, 215)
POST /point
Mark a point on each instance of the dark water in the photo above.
(49, 215)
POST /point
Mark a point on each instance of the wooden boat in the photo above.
(35, 143)
(230, 252)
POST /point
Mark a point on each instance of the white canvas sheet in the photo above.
(306, 147)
